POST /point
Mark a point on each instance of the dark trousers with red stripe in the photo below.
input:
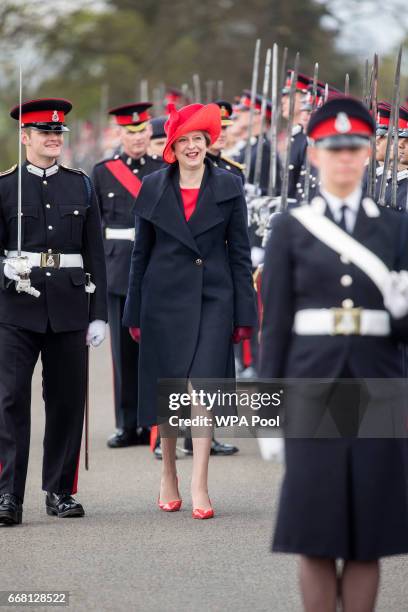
(63, 357)
(125, 360)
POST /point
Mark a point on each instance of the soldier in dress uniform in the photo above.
(117, 182)
(332, 310)
(215, 151)
(299, 140)
(61, 244)
(157, 137)
(242, 112)
(383, 121)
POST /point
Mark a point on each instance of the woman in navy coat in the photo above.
(190, 291)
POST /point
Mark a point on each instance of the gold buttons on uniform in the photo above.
(347, 303)
(199, 262)
(346, 280)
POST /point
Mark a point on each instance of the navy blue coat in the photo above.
(190, 282)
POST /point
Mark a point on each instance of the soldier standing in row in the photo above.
(117, 183)
(333, 310)
(61, 242)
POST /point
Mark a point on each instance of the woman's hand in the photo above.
(242, 333)
(135, 333)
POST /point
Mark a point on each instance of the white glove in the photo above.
(396, 294)
(16, 266)
(10, 272)
(257, 256)
(251, 190)
(96, 332)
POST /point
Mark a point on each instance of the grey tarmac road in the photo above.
(127, 555)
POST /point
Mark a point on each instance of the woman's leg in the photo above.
(360, 586)
(318, 583)
(201, 438)
(168, 485)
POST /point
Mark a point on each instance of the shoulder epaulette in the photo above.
(9, 171)
(233, 162)
(76, 170)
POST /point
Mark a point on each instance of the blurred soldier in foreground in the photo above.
(61, 242)
(335, 298)
(117, 183)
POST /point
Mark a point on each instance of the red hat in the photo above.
(191, 118)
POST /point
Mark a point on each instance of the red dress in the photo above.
(189, 197)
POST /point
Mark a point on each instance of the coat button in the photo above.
(347, 303)
(76, 212)
(50, 227)
(346, 280)
(110, 194)
(199, 262)
(48, 206)
(48, 274)
(49, 250)
(45, 183)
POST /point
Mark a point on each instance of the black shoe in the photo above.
(218, 448)
(11, 509)
(123, 437)
(63, 505)
(143, 436)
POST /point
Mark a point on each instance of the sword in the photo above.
(285, 180)
(21, 264)
(274, 124)
(88, 283)
(260, 143)
(197, 88)
(306, 187)
(392, 126)
(365, 83)
(220, 89)
(347, 85)
(372, 105)
(252, 108)
(326, 92)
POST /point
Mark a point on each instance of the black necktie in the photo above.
(342, 222)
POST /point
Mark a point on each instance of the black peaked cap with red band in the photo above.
(403, 122)
(46, 114)
(383, 117)
(226, 112)
(302, 83)
(133, 116)
(342, 122)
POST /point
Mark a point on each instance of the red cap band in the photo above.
(43, 116)
(341, 125)
(133, 119)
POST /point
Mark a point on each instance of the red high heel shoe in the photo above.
(199, 513)
(171, 506)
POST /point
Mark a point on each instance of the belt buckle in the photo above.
(50, 260)
(346, 321)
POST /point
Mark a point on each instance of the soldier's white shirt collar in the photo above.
(352, 201)
(42, 171)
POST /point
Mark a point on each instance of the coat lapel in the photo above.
(366, 220)
(161, 207)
